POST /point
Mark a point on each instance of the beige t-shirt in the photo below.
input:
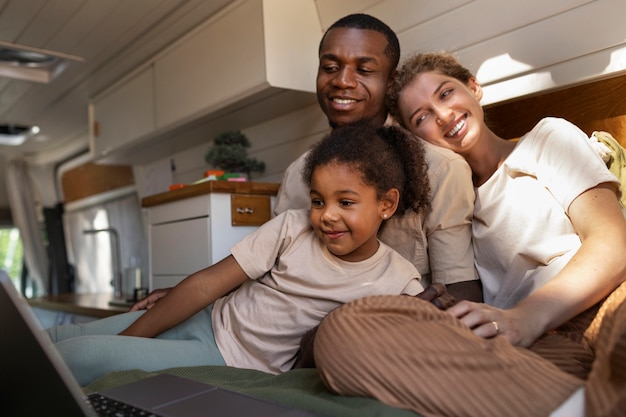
(439, 244)
(295, 283)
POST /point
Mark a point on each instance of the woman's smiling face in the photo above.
(442, 110)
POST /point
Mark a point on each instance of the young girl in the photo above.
(251, 309)
(549, 238)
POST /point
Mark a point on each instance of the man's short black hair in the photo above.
(365, 21)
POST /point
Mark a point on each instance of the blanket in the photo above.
(301, 388)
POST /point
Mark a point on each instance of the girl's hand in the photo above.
(149, 302)
(487, 321)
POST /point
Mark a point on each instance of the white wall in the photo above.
(276, 142)
(515, 47)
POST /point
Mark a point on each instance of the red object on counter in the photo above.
(216, 172)
(176, 186)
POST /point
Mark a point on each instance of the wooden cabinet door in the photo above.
(124, 114)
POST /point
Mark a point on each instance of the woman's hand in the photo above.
(149, 302)
(487, 321)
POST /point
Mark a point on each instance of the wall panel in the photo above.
(551, 45)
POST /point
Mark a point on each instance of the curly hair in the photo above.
(387, 157)
(367, 22)
(442, 62)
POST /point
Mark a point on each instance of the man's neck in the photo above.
(378, 122)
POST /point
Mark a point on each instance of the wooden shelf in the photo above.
(230, 187)
(94, 305)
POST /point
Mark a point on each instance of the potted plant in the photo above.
(229, 153)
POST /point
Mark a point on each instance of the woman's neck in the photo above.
(487, 156)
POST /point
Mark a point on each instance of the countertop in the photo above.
(95, 305)
(231, 187)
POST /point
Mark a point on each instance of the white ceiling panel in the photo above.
(116, 36)
(50, 19)
(113, 37)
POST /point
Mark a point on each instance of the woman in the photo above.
(549, 238)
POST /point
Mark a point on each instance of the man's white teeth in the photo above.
(456, 128)
(343, 100)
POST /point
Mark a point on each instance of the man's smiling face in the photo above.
(353, 76)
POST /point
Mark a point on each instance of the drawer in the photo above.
(250, 210)
(180, 248)
(178, 210)
(165, 281)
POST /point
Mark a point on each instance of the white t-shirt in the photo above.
(295, 283)
(522, 234)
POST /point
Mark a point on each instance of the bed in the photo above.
(301, 388)
(599, 105)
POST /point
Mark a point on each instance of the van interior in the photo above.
(108, 109)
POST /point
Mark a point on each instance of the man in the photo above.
(358, 56)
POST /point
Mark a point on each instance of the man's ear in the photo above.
(392, 75)
(389, 203)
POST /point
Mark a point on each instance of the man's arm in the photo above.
(448, 225)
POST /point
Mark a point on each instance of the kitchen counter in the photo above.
(93, 305)
(195, 226)
(230, 187)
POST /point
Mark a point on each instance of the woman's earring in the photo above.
(385, 216)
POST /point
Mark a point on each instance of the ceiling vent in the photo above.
(32, 64)
(12, 134)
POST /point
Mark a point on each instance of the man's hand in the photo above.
(437, 295)
(149, 302)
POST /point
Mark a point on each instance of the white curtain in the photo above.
(24, 212)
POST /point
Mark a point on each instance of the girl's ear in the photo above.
(476, 88)
(389, 203)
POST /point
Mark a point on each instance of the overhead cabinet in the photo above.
(253, 61)
(123, 113)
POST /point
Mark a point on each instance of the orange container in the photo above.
(217, 172)
(176, 186)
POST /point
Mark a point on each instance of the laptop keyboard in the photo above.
(107, 407)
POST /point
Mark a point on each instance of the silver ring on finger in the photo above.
(495, 324)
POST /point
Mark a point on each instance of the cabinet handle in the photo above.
(96, 129)
(246, 210)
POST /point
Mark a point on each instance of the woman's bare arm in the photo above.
(594, 271)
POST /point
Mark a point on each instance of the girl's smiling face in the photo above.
(442, 110)
(346, 213)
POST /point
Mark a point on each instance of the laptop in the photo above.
(36, 381)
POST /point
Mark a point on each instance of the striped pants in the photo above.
(406, 353)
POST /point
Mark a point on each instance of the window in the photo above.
(11, 253)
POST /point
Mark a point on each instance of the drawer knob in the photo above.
(249, 210)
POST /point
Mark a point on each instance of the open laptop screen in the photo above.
(31, 383)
